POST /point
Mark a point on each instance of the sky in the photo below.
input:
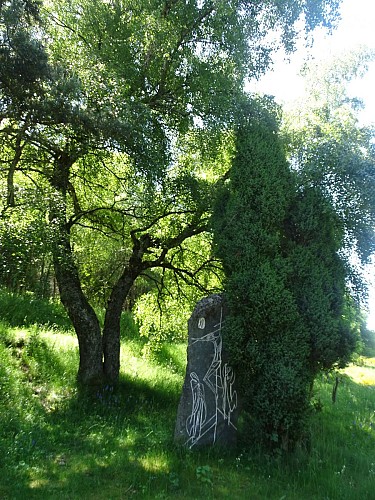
(355, 29)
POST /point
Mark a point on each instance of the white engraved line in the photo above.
(223, 379)
(196, 420)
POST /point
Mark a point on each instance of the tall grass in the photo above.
(118, 443)
(26, 310)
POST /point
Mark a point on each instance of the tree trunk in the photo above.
(81, 313)
(12, 169)
(111, 330)
(84, 320)
(334, 390)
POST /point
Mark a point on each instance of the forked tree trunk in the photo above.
(85, 322)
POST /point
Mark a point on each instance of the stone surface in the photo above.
(207, 412)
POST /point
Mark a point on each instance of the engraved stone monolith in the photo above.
(207, 412)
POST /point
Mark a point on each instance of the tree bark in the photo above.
(82, 315)
(83, 318)
(334, 390)
(12, 169)
(111, 330)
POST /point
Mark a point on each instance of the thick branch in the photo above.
(12, 168)
(66, 26)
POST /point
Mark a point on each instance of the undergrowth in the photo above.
(26, 310)
(118, 443)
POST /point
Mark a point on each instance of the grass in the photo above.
(26, 310)
(118, 444)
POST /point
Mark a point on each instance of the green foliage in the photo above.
(159, 325)
(331, 151)
(163, 310)
(368, 339)
(204, 474)
(98, 102)
(318, 279)
(261, 331)
(286, 283)
(129, 327)
(22, 56)
(25, 258)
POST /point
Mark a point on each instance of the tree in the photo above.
(96, 98)
(294, 287)
(332, 152)
(266, 346)
(279, 242)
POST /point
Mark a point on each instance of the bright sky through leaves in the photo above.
(355, 30)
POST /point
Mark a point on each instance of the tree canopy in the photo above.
(332, 151)
(97, 100)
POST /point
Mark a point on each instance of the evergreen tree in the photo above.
(285, 283)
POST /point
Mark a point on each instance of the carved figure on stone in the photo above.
(207, 411)
(198, 415)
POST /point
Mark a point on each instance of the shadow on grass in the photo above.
(114, 443)
(120, 440)
(169, 356)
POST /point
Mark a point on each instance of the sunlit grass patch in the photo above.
(155, 462)
(369, 361)
(363, 372)
(62, 341)
(151, 371)
(361, 375)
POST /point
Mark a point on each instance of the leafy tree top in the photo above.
(332, 151)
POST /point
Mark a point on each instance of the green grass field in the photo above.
(55, 443)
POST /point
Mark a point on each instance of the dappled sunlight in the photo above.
(155, 462)
(363, 374)
(54, 338)
(146, 370)
(59, 340)
(118, 443)
(369, 362)
(38, 483)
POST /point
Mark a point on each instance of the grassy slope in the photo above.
(119, 445)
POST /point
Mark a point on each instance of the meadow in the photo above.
(118, 443)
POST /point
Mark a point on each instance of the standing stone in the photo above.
(207, 412)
